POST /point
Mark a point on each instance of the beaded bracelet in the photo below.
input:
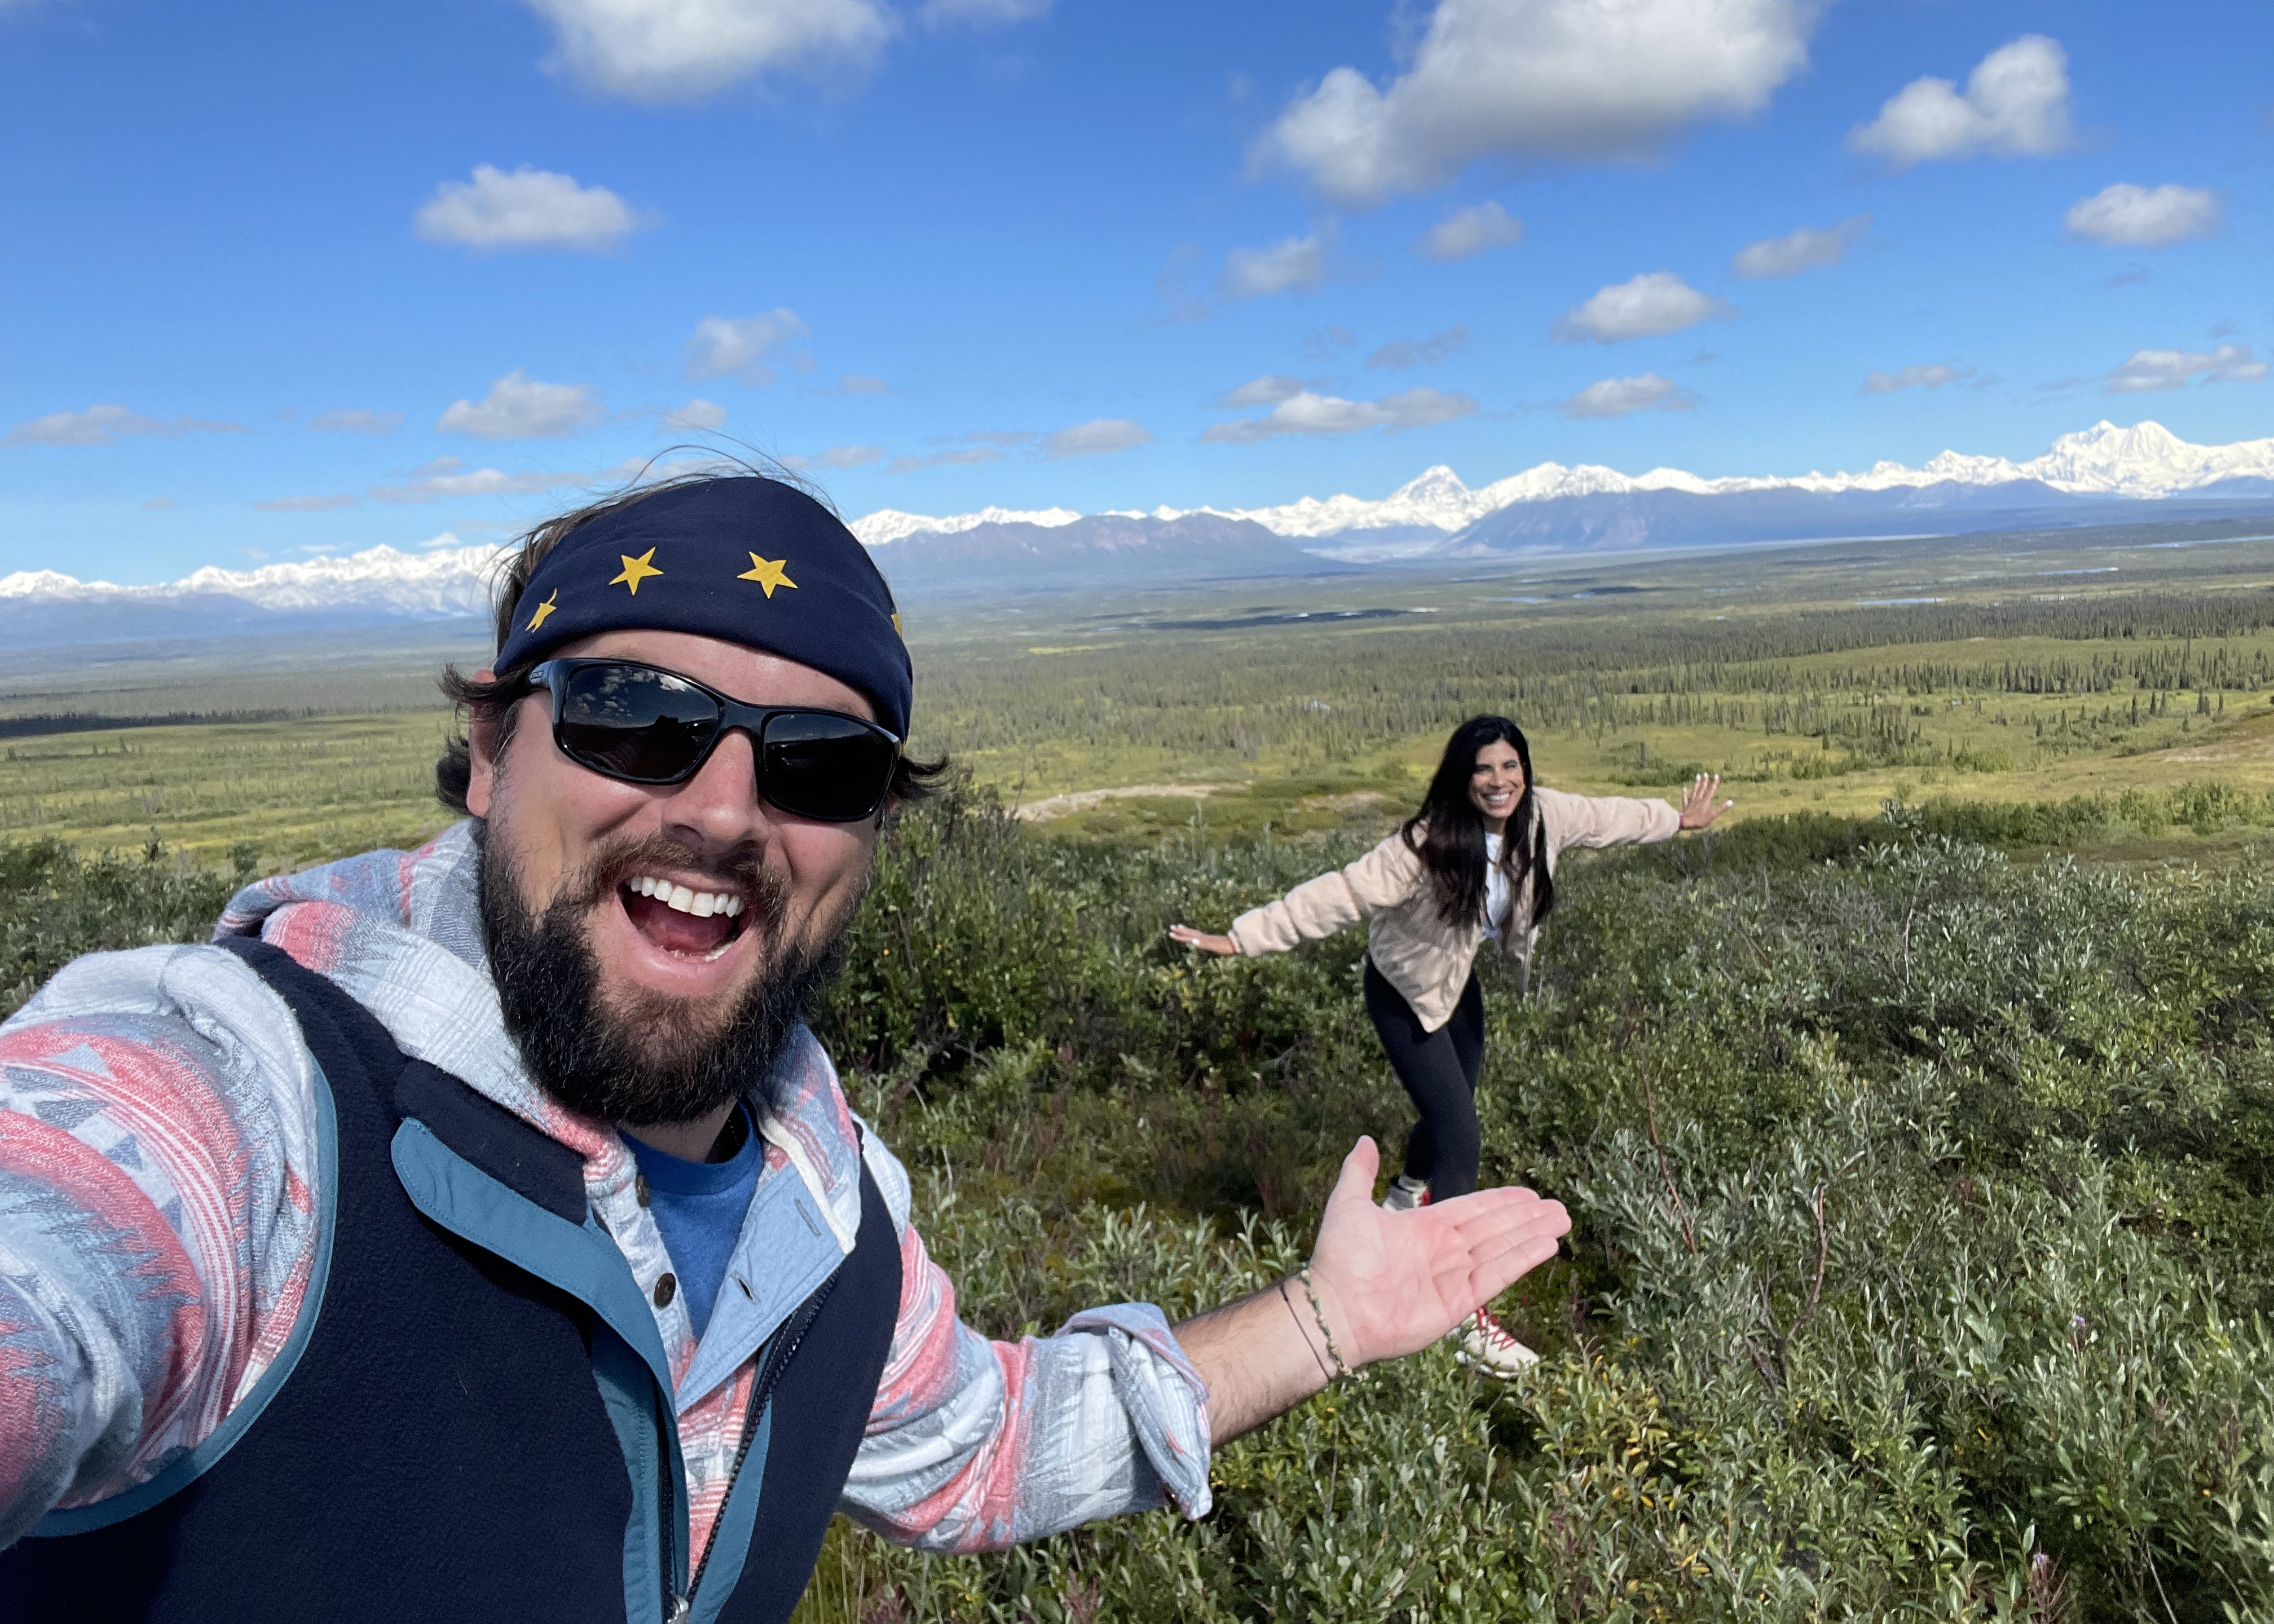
(1325, 1330)
(1300, 1332)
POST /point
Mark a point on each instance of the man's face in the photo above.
(593, 863)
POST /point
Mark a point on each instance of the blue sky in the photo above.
(264, 266)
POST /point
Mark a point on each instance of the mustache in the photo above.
(621, 861)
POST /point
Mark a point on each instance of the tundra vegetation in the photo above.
(1924, 1247)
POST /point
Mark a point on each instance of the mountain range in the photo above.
(2105, 474)
(1554, 508)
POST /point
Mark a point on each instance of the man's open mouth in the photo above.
(679, 919)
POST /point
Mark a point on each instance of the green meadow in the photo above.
(1917, 1124)
(2068, 669)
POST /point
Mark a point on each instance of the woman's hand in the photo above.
(1185, 935)
(1697, 807)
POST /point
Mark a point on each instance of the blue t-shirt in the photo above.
(699, 1206)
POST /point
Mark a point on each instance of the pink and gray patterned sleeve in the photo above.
(156, 1230)
(975, 1445)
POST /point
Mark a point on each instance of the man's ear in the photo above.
(482, 731)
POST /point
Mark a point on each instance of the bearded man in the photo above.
(479, 1231)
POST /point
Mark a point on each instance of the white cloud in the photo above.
(2151, 370)
(697, 413)
(2016, 105)
(967, 455)
(518, 407)
(1645, 306)
(1933, 375)
(1099, 437)
(1477, 230)
(1538, 78)
(446, 476)
(529, 208)
(1618, 397)
(861, 383)
(356, 420)
(1268, 390)
(2128, 216)
(1295, 264)
(1326, 415)
(1809, 249)
(729, 346)
(981, 13)
(106, 426)
(684, 51)
(160, 504)
(306, 504)
(841, 456)
(1404, 353)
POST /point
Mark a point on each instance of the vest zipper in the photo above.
(674, 1606)
(784, 1347)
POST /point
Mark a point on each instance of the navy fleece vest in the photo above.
(476, 1424)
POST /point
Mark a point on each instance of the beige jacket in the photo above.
(1416, 950)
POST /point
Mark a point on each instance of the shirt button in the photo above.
(640, 1190)
(666, 1286)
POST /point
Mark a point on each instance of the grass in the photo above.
(1924, 1174)
(1924, 1201)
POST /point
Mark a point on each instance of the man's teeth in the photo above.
(702, 903)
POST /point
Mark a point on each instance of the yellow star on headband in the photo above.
(635, 571)
(543, 609)
(768, 573)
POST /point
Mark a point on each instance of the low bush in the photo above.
(1924, 1251)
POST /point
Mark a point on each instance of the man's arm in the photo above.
(156, 1218)
(974, 1444)
(1388, 1284)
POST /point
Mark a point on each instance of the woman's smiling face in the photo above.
(1496, 783)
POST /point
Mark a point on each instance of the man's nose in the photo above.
(719, 806)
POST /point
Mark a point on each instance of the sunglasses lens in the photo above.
(632, 723)
(826, 767)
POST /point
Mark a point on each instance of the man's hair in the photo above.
(493, 702)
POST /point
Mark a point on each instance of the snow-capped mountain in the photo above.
(2144, 462)
(444, 579)
(2103, 475)
(887, 525)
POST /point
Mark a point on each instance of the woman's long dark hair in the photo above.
(1448, 833)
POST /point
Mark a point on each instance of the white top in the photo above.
(1495, 888)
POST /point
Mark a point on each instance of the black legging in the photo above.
(1439, 1069)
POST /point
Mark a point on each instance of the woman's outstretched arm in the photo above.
(1185, 935)
(1316, 909)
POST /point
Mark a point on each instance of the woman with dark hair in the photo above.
(1478, 861)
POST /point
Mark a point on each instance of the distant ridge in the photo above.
(2146, 462)
(2103, 475)
(1100, 549)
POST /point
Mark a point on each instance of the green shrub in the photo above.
(1923, 1252)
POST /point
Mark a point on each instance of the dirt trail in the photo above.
(1082, 800)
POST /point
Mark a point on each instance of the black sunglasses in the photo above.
(643, 724)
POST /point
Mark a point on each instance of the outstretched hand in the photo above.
(1185, 935)
(1698, 806)
(1389, 1283)
(1392, 1282)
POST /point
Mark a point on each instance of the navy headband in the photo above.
(747, 560)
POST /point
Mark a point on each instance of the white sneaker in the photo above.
(1404, 1195)
(1487, 1344)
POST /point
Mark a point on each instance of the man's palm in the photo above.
(1400, 1280)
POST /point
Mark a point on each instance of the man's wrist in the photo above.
(1331, 1324)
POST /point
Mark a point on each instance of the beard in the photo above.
(635, 1056)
